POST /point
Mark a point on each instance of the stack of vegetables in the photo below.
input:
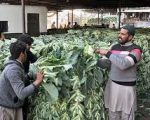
(73, 84)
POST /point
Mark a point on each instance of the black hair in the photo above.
(16, 49)
(26, 39)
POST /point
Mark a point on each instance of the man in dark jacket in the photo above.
(31, 58)
(12, 88)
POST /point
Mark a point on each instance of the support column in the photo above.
(98, 16)
(68, 17)
(119, 19)
(57, 19)
(119, 13)
(72, 17)
(102, 16)
(23, 17)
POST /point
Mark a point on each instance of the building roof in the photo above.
(69, 4)
(136, 10)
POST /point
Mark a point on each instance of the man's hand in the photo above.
(101, 51)
(39, 78)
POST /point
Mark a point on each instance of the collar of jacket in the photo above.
(127, 44)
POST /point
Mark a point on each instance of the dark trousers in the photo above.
(25, 109)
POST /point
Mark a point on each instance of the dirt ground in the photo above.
(143, 111)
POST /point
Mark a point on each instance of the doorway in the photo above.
(33, 24)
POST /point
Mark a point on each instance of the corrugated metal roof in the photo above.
(69, 4)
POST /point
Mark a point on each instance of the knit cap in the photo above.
(130, 29)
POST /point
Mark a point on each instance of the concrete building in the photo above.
(139, 17)
(11, 20)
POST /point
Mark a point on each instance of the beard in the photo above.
(122, 42)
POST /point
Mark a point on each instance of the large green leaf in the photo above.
(52, 91)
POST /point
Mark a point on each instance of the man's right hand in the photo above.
(101, 51)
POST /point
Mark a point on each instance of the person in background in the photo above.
(76, 25)
(65, 26)
(122, 59)
(31, 58)
(2, 36)
(60, 27)
(113, 27)
(69, 25)
(12, 88)
(2, 39)
(85, 25)
(53, 26)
